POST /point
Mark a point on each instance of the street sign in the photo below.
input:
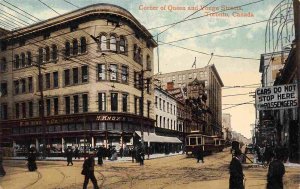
(276, 97)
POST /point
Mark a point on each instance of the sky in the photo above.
(246, 42)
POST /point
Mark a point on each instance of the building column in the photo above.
(14, 148)
(93, 142)
(62, 145)
(37, 146)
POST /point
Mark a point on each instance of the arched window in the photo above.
(113, 43)
(103, 42)
(54, 52)
(3, 65)
(67, 49)
(47, 52)
(82, 45)
(17, 61)
(23, 60)
(148, 62)
(40, 57)
(75, 47)
(29, 58)
(122, 44)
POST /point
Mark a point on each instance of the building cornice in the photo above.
(91, 10)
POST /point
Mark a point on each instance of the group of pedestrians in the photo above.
(137, 155)
(275, 172)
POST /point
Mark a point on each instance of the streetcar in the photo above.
(209, 144)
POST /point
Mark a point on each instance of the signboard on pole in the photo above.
(276, 97)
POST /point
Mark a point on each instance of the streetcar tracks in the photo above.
(39, 177)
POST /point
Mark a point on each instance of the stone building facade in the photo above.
(91, 64)
(213, 89)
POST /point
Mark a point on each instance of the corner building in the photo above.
(91, 65)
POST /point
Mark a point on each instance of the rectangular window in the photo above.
(114, 101)
(102, 101)
(23, 109)
(85, 103)
(168, 107)
(113, 69)
(16, 85)
(67, 105)
(124, 74)
(141, 106)
(135, 104)
(55, 79)
(76, 107)
(164, 107)
(48, 103)
(17, 110)
(160, 103)
(3, 111)
(101, 72)
(75, 75)
(30, 108)
(84, 74)
(156, 101)
(3, 89)
(67, 77)
(124, 102)
(23, 85)
(55, 102)
(148, 85)
(47, 80)
(30, 85)
(148, 108)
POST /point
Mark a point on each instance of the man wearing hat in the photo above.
(236, 171)
(88, 171)
(276, 172)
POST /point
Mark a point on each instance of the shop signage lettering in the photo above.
(276, 97)
(110, 118)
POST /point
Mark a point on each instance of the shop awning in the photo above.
(152, 137)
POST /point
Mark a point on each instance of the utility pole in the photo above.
(142, 107)
(296, 5)
(41, 108)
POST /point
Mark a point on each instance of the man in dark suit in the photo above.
(88, 172)
(236, 172)
(276, 172)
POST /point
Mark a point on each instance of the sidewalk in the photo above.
(153, 156)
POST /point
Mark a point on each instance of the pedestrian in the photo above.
(133, 154)
(100, 154)
(199, 154)
(69, 154)
(2, 171)
(276, 172)
(31, 159)
(236, 172)
(88, 171)
(121, 152)
(141, 156)
(76, 153)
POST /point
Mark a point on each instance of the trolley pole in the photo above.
(41, 109)
(296, 5)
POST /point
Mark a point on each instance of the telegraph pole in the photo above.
(41, 108)
(296, 5)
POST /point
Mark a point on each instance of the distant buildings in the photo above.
(212, 91)
(226, 126)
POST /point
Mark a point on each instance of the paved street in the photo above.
(167, 173)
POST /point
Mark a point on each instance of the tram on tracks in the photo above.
(209, 144)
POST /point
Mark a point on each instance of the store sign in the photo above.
(276, 97)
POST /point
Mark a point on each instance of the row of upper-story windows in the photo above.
(73, 48)
(166, 123)
(23, 85)
(76, 103)
(166, 107)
